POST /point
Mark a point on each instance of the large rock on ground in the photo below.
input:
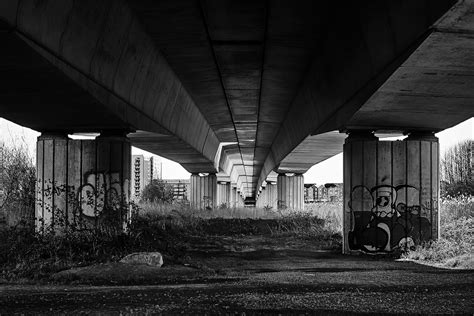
(149, 258)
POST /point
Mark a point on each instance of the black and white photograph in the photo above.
(236, 157)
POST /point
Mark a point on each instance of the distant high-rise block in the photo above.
(143, 172)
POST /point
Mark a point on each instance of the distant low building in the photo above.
(329, 192)
(181, 190)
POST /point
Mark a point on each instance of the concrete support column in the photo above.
(290, 192)
(233, 195)
(391, 191)
(82, 182)
(223, 194)
(268, 197)
(203, 191)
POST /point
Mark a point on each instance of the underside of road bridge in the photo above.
(244, 88)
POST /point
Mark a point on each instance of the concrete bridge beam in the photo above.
(82, 182)
(391, 192)
(290, 191)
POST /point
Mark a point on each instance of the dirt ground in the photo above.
(250, 275)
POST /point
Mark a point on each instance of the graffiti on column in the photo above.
(386, 218)
(101, 191)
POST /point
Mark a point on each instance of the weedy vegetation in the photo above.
(26, 254)
(455, 247)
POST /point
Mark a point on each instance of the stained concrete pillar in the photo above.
(233, 195)
(268, 196)
(391, 191)
(223, 194)
(82, 182)
(290, 192)
(203, 191)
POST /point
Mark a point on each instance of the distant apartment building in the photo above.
(329, 192)
(181, 191)
(143, 172)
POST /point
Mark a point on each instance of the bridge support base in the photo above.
(203, 191)
(268, 197)
(82, 182)
(236, 200)
(290, 192)
(223, 194)
(391, 191)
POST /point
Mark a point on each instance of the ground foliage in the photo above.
(455, 247)
(29, 254)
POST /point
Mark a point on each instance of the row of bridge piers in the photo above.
(391, 188)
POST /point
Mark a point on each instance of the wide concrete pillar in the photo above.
(82, 182)
(268, 196)
(290, 192)
(203, 191)
(391, 191)
(223, 194)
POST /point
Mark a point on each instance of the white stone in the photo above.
(148, 258)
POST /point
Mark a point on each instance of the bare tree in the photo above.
(456, 169)
(17, 185)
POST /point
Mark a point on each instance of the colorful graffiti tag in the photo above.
(385, 218)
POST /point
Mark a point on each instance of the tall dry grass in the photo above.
(455, 247)
(330, 212)
(324, 210)
(181, 214)
(166, 209)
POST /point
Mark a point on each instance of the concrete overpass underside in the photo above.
(246, 89)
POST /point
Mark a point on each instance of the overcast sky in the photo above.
(326, 171)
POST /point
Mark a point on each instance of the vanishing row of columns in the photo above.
(391, 188)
